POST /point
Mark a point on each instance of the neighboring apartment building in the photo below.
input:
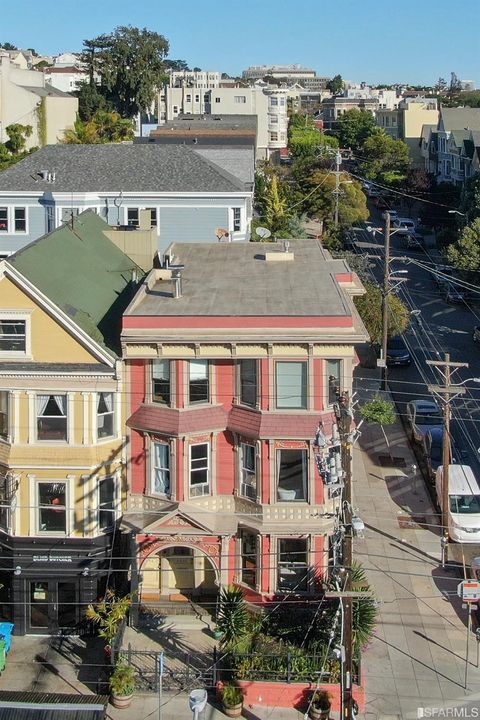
(406, 122)
(188, 196)
(67, 78)
(306, 77)
(27, 97)
(62, 444)
(447, 148)
(333, 108)
(232, 358)
(268, 104)
(195, 78)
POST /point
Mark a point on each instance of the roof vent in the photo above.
(177, 279)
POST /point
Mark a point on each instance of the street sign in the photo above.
(469, 591)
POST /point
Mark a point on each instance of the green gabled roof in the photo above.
(84, 274)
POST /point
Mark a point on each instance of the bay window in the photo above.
(249, 558)
(4, 410)
(161, 381)
(291, 385)
(106, 502)
(199, 469)
(52, 417)
(161, 468)
(292, 475)
(105, 415)
(199, 385)
(51, 503)
(334, 369)
(248, 382)
(248, 472)
(292, 566)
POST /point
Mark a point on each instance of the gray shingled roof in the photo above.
(461, 118)
(119, 167)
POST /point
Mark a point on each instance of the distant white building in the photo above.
(195, 79)
(306, 77)
(66, 59)
(468, 85)
(67, 78)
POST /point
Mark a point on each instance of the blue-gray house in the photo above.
(190, 197)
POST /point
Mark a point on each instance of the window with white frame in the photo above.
(105, 415)
(161, 468)
(240, 99)
(161, 381)
(106, 502)
(199, 469)
(50, 211)
(13, 335)
(291, 385)
(4, 414)
(248, 382)
(20, 219)
(52, 509)
(273, 137)
(274, 119)
(237, 219)
(133, 219)
(292, 475)
(5, 501)
(199, 385)
(248, 471)
(249, 557)
(52, 417)
(3, 219)
(274, 101)
(292, 565)
(334, 373)
(217, 99)
(188, 98)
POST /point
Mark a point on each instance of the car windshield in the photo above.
(465, 504)
(433, 418)
(396, 343)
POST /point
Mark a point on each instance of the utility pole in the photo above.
(336, 192)
(344, 415)
(385, 294)
(445, 393)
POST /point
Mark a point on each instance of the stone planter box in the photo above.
(297, 695)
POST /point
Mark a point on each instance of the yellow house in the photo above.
(62, 448)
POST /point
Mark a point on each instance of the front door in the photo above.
(52, 607)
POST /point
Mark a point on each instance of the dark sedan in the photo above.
(398, 353)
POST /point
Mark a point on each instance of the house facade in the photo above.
(62, 445)
(406, 123)
(188, 196)
(233, 356)
(448, 148)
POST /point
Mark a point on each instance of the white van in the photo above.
(404, 226)
(463, 501)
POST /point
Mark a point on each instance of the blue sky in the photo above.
(398, 40)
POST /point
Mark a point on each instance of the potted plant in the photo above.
(108, 615)
(320, 705)
(122, 685)
(232, 700)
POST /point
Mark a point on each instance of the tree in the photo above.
(108, 614)
(276, 211)
(354, 127)
(455, 85)
(197, 69)
(335, 85)
(130, 62)
(385, 159)
(103, 127)
(379, 412)
(369, 307)
(17, 137)
(465, 253)
(176, 65)
(8, 46)
(90, 101)
(470, 203)
(418, 183)
(441, 86)
(315, 191)
(232, 620)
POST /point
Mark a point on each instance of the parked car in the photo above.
(404, 226)
(441, 273)
(463, 502)
(397, 352)
(476, 333)
(432, 447)
(422, 416)
(393, 214)
(451, 294)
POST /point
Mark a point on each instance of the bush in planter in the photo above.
(232, 619)
(122, 684)
(231, 695)
(321, 700)
(108, 613)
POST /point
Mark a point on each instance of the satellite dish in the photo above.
(263, 232)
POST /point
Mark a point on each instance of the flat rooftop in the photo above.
(230, 279)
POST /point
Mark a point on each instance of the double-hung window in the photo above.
(248, 471)
(51, 504)
(292, 565)
(249, 559)
(161, 381)
(20, 219)
(291, 385)
(133, 219)
(199, 469)
(248, 381)
(52, 417)
(13, 335)
(106, 502)
(105, 415)
(161, 469)
(3, 219)
(237, 219)
(4, 411)
(292, 475)
(199, 385)
(334, 370)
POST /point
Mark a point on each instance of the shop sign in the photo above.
(53, 558)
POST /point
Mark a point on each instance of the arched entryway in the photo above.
(178, 572)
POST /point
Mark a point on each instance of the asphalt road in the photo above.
(438, 328)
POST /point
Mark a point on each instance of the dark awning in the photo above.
(51, 706)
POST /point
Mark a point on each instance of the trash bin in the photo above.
(6, 629)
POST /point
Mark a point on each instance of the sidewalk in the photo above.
(417, 658)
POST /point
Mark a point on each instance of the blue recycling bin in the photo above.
(6, 630)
